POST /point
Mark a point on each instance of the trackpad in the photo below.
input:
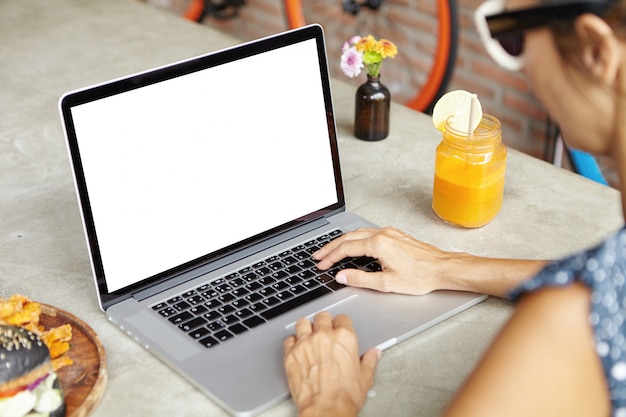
(374, 326)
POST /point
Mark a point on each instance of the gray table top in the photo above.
(49, 48)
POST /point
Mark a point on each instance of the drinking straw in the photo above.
(472, 109)
(470, 124)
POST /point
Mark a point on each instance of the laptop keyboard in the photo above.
(230, 305)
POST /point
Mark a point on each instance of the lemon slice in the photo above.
(457, 103)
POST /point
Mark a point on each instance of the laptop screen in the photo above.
(189, 160)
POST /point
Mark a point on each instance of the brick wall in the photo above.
(503, 94)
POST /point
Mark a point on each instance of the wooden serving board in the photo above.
(85, 380)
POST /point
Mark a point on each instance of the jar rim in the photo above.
(488, 130)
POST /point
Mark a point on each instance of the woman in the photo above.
(563, 352)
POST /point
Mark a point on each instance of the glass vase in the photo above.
(371, 113)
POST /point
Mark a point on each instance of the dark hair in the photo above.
(565, 36)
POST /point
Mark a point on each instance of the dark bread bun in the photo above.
(21, 352)
(25, 367)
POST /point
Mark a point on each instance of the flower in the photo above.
(351, 62)
(365, 52)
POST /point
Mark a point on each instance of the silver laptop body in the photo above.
(192, 172)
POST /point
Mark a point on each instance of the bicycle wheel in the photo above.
(195, 11)
(421, 71)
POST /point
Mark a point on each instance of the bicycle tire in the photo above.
(195, 11)
(443, 59)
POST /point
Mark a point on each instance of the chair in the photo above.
(581, 162)
(586, 165)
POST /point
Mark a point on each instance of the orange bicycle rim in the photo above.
(195, 11)
(437, 73)
(424, 99)
(294, 14)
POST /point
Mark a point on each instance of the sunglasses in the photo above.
(502, 32)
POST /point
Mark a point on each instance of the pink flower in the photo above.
(351, 62)
(349, 43)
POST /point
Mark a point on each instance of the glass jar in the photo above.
(469, 174)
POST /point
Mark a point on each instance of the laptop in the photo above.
(204, 186)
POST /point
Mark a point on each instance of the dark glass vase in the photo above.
(371, 113)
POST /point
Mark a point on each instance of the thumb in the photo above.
(369, 361)
(358, 278)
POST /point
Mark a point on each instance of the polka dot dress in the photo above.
(603, 270)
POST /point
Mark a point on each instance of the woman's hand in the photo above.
(408, 265)
(324, 371)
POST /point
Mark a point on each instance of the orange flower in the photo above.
(386, 48)
(367, 44)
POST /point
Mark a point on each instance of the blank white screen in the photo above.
(184, 167)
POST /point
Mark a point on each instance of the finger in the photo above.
(327, 248)
(288, 352)
(347, 248)
(322, 320)
(289, 343)
(332, 246)
(303, 328)
(343, 320)
(369, 361)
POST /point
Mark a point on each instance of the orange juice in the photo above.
(469, 174)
